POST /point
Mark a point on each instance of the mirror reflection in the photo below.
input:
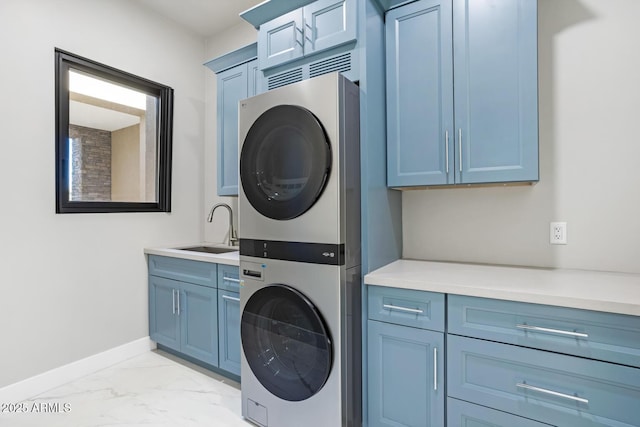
(112, 132)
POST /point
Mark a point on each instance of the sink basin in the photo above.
(208, 249)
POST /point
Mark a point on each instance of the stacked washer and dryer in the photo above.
(299, 222)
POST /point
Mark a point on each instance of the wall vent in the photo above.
(341, 63)
(283, 79)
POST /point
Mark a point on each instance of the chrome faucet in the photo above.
(233, 238)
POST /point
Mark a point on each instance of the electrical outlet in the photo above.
(558, 233)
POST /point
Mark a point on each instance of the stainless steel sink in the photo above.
(208, 249)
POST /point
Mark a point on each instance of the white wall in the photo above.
(219, 44)
(75, 285)
(589, 101)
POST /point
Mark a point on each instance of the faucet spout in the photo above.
(233, 237)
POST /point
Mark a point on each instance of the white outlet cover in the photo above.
(558, 233)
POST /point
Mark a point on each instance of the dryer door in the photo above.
(286, 343)
(285, 162)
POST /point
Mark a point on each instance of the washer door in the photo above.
(285, 162)
(286, 343)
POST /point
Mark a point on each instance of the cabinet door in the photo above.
(420, 94)
(496, 90)
(232, 87)
(281, 40)
(198, 310)
(329, 23)
(164, 322)
(229, 331)
(406, 376)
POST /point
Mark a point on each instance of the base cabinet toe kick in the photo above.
(507, 363)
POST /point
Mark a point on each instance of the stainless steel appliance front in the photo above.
(300, 332)
(299, 229)
(299, 164)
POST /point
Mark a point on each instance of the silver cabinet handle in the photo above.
(178, 302)
(231, 298)
(460, 148)
(553, 331)
(435, 368)
(553, 393)
(446, 150)
(409, 310)
(309, 29)
(302, 35)
(173, 300)
(231, 279)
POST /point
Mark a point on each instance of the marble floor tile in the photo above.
(152, 389)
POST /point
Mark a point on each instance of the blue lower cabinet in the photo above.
(199, 322)
(195, 318)
(164, 324)
(548, 387)
(229, 331)
(465, 414)
(184, 317)
(406, 376)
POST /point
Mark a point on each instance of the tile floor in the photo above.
(152, 389)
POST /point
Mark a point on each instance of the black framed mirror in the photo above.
(113, 139)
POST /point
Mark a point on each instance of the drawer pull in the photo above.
(408, 310)
(553, 331)
(231, 279)
(231, 298)
(553, 393)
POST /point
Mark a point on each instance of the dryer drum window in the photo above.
(285, 162)
(286, 343)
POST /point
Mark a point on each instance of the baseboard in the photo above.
(38, 384)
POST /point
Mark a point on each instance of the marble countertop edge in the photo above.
(174, 251)
(589, 290)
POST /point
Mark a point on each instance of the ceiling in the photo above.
(204, 17)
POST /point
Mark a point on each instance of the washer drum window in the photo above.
(286, 343)
(285, 162)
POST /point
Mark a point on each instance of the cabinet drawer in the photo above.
(185, 270)
(465, 414)
(407, 307)
(229, 277)
(548, 387)
(596, 335)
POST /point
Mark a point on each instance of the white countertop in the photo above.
(174, 251)
(590, 290)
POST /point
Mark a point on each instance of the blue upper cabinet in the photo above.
(419, 94)
(238, 77)
(479, 56)
(496, 90)
(281, 40)
(328, 23)
(232, 87)
(314, 28)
